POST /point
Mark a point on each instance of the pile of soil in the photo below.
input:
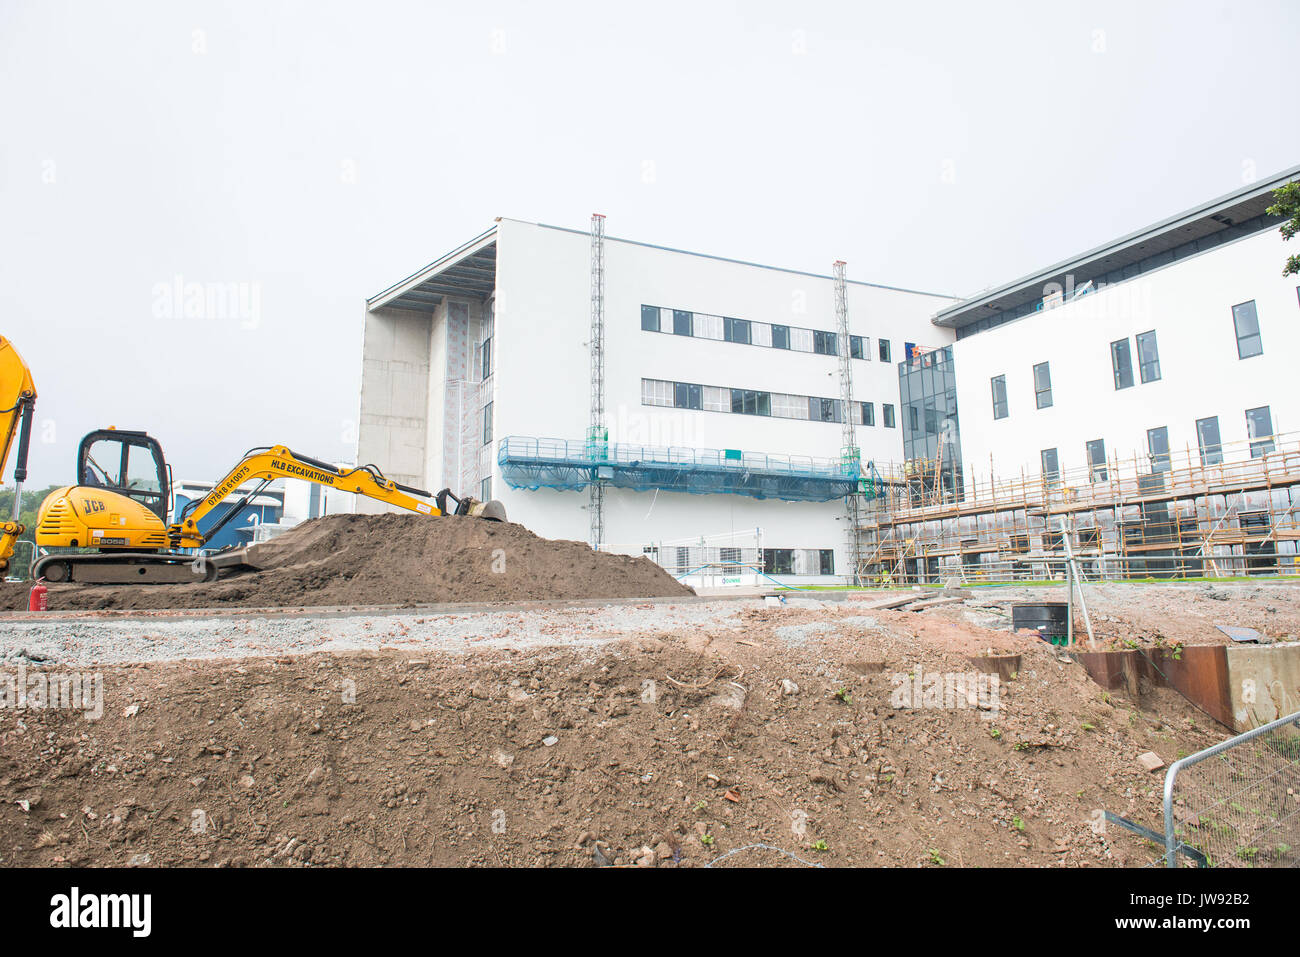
(773, 743)
(393, 560)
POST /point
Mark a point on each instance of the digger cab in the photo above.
(128, 463)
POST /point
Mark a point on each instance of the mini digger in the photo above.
(115, 527)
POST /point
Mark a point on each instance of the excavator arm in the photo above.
(17, 404)
(265, 465)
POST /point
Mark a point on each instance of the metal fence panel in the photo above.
(1238, 802)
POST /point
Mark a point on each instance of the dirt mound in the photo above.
(394, 560)
(736, 746)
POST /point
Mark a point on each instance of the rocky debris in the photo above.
(1150, 761)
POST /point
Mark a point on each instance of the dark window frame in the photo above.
(1096, 470)
(1039, 393)
(1148, 371)
(683, 320)
(1122, 370)
(783, 334)
(1211, 452)
(1260, 446)
(1257, 335)
(882, 346)
(857, 347)
(647, 314)
(1000, 410)
(887, 415)
(867, 413)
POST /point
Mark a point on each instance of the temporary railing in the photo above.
(534, 463)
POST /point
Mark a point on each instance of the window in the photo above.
(868, 413)
(487, 424)
(1246, 321)
(1051, 466)
(704, 326)
(1097, 460)
(1158, 448)
(682, 323)
(1259, 427)
(778, 561)
(887, 412)
(826, 561)
(1121, 362)
(484, 490)
(1042, 385)
(1207, 440)
(883, 345)
(687, 396)
(749, 402)
(789, 406)
(656, 392)
(801, 340)
(824, 410)
(780, 337)
(999, 383)
(736, 330)
(487, 358)
(650, 318)
(1148, 356)
(824, 343)
(716, 399)
(857, 347)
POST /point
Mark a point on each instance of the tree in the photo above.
(1286, 203)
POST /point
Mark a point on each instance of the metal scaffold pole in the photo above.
(850, 455)
(597, 433)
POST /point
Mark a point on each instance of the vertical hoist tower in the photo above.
(850, 455)
(597, 432)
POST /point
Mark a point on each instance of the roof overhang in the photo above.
(467, 272)
(1212, 217)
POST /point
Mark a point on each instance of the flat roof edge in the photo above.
(737, 262)
(379, 300)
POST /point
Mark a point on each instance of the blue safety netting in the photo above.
(533, 463)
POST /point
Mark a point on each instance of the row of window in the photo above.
(780, 405)
(1259, 427)
(699, 325)
(1245, 322)
(1121, 360)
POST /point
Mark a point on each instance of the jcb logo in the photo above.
(91, 505)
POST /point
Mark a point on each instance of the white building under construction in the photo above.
(712, 418)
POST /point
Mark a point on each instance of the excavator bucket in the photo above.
(493, 511)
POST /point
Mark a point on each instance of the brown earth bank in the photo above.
(391, 560)
(672, 749)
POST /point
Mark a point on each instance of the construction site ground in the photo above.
(677, 731)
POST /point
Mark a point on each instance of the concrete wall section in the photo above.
(395, 382)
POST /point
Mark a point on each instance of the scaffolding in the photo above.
(1230, 510)
(597, 433)
(849, 452)
(533, 463)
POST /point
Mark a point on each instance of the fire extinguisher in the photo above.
(37, 600)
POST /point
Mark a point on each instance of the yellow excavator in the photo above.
(17, 404)
(114, 527)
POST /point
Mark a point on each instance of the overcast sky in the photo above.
(315, 152)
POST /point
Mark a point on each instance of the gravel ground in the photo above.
(122, 641)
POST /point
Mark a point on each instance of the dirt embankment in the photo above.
(665, 750)
(393, 560)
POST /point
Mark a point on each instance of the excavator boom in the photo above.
(17, 404)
